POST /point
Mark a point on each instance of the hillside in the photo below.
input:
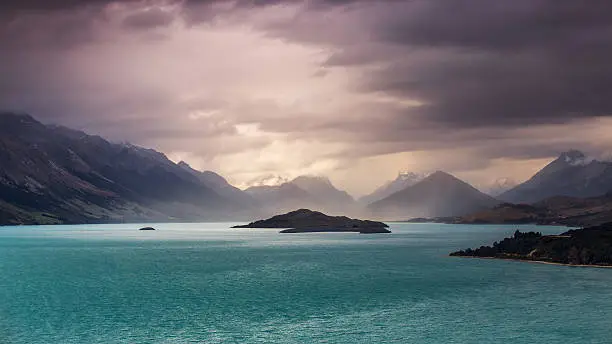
(55, 174)
(438, 195)
(571, 174)
(586, 246)
(571, 211)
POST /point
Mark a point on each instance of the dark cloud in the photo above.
(479, 70)
(475, 62)
(149, 19)
(45, 5)
(502, 63)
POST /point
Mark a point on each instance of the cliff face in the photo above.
(586, 246)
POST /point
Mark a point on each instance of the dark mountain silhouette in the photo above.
(571, 174)
(54, 174)
(438, 195)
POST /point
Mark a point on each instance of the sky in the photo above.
(354, 90)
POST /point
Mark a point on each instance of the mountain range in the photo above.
(303, 192)
(572, 174)
(53, 174)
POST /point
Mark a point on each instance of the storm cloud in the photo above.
(401, 84)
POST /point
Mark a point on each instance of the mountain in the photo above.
(438, 195)
(303, 192)
(280, 198)
(268, 179)
(322, 188)
(51, 174)
(219, 185)
(557, 210)
(499, 186)
(571, 174)
(403, 180)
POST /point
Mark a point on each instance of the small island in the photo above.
(307, 221)
(590, 246)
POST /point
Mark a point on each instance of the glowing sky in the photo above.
(355, 90)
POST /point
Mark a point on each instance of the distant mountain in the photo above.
(438, 195)
(52, 174)
(303, 192)
(322, 188)
(220, 185)
(280, 198)
(403, 180)
(571, 174)
(499, 186)
(267, 180)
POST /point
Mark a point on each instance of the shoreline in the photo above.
(540, 262)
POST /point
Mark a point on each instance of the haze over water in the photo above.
(192, 283)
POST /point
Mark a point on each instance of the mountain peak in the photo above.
(441, 175)
(13, 116)
(412, 176)
(573, 157)
(11, 121)
(184, 164)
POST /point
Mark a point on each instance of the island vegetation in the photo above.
(306, 220)
(584, 246)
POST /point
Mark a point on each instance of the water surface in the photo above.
(206, 283)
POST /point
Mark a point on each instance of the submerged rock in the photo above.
(305, 221)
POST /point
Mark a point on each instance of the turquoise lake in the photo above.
(206, 283)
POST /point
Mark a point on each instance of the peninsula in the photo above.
(590, 246)
(305, 221)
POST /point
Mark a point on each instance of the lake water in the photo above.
(205, 283)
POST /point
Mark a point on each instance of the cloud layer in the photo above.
(253, 88)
